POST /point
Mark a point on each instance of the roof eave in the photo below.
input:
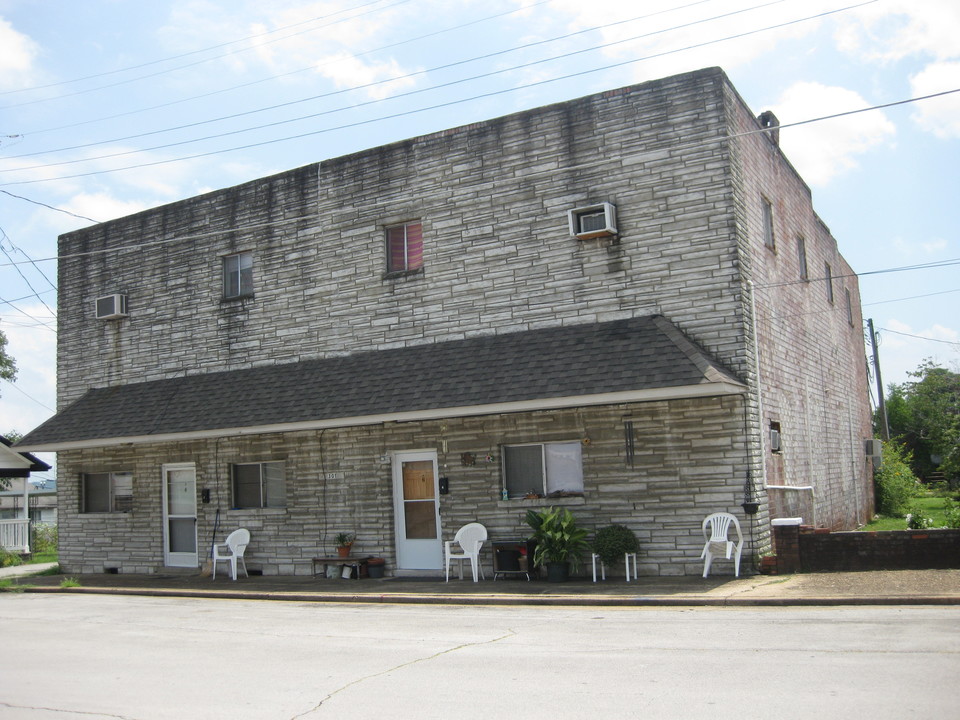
(706, 389)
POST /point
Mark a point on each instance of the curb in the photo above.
(514, 600)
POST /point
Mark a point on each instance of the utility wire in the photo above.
(954, 343)
(241, 86)
(192, 64)
(469, 99)
(49, 207)
(380, 83)
(27, 395)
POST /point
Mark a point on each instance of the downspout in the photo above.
(756, 360)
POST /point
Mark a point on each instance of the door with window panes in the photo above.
(417, 511)
(180, 515)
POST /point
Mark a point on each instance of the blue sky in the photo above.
(108, 107)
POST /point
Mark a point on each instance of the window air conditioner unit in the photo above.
(111, 307)
(775, 445)
(593, 221)
(873, 447)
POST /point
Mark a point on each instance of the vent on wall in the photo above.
(111, 307)
(593, 221)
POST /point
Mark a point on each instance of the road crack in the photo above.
(401, 666)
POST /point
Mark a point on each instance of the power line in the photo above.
(49, 207)
(287, 74)
(475, 97)
(28, 395)
(954, 343)
(376, 83)
(193, 64)
(912, 297)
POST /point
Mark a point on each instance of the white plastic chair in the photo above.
(470, 538)
(719, 534)
(232, 551)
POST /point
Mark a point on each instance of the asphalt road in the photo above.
(69, 656)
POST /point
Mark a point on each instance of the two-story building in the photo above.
(623, 304)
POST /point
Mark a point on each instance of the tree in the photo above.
(924, 416)
(8, 368)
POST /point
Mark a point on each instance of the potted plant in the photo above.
(344, 542)
(611, 543)
(559, 541)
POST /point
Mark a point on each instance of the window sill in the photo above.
(540, 502)
(398, 274)
(235, 299)
(265, 511)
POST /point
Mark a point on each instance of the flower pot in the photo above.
(558, 571)
(344, 551)
(375, 567)
(750, 508)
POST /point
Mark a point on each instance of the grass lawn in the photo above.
(931, 505)
(44, 557)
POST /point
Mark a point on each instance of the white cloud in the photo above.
(941, 115)
(824, 150)
(329, 38)
(896, 29)
(102, 206)
(17, 56)
(903, 348)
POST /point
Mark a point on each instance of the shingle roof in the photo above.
(515, 370)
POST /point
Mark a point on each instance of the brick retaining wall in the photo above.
(806, 549)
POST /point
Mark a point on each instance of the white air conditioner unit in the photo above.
(593, 221)
(873, 449)
(111, 307)
(775, 445)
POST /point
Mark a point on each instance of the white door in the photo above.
(180, 515)
(415, 492)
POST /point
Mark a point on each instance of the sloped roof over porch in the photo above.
(632, 360)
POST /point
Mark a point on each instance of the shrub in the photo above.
(952, 514)
(558, 538)
(917, 519)
(9, 559)
(895, 482)
(45, 538)
(611, 542)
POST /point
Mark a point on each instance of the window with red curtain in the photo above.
(405, 247)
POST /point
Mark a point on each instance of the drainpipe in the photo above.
(756, 359)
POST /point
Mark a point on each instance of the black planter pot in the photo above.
(750, 508)
(558, 571)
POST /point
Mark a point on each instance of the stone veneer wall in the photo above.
(686, 466)
(493, 200)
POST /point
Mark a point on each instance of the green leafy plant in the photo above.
(344, 539)
(9, 559)
(557, 536)
(613, 541)
(70, 582)
(917, 519)
(895, 481)
(951, 514)
(45, 538)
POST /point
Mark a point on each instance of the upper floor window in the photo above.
(846, 292)
(768, 238)
(405, 247)
(106, 492)
(802, 257)
(828, 279)
(259, 485)
(238, 275)
(542, 469)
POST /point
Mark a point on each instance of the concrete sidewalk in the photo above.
(894, 587)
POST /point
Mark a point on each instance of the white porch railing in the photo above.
(15, 535)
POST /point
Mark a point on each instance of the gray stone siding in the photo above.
(493, 199)
(686, 466)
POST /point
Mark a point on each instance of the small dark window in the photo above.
(849, 300)
(768, 238)
(802, 258)
(238, 275)
(828, 279)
